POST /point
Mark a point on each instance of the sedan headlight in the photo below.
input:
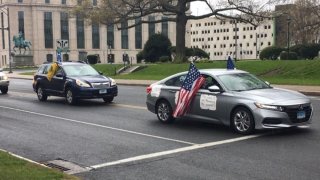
(82, 84)
(269, 107)
(113, 82)
(5, 77)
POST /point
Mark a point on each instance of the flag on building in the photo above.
(189, 88)
(230, 64)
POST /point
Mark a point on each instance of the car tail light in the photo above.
(149, 89)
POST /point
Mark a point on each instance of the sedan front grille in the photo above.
(293, 111)
(101, 85)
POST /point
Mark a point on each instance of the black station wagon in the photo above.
(74, 80)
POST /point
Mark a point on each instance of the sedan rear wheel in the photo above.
(164, 112)
(70, 97)
(4, 90)
(242, 121)
(41, 94)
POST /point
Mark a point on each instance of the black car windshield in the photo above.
(242, 82)
(80, 70)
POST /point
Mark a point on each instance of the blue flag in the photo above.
(230, 65)
(59, 57)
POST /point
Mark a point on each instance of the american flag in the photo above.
(189, 88)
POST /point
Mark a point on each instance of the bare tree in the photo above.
(178, 11)
(304, 18)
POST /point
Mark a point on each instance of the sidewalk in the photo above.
(307, 90)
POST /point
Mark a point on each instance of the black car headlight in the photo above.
(82, 84)
(269, 107)
(113, 82)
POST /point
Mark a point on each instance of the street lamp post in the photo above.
(8, 28)
(288, 37)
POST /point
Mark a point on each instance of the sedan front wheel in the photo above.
(242, 121)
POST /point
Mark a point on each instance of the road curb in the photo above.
(145, 83)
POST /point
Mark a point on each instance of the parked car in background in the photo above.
(74, 80)
(4, 82)
(234, 98)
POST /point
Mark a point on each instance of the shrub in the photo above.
(140, 57)
(93, 59)
(306, 51)
(157, 45)
(270, 53)
(164, 58)
(193, 52)
(292, 55)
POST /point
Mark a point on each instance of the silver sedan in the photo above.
(234, 98)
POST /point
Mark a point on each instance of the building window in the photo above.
(95, 36)
(20, 1)
(80, 32)
(94, 2)
(21, 22)
(124, 35)
(152, 26)
(47, 1)
(164, 26)
(64, 25)
(2, 31)
(63, 1)
(110, 36)
(79, 2)
(48, 34)
(138, 34)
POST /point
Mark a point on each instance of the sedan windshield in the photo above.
(242, 82)
(80, 70)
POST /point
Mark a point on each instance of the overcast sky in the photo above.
(200, 8)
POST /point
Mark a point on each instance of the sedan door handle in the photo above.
(172, 91)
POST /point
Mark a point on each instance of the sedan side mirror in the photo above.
(59, 75)
(214, 88)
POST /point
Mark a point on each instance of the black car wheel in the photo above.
(108, 99)
(41, 94)
(164, 112)
(242, 121)
(4, 90)
(70, 97)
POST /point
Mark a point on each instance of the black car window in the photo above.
(210, 81)
(41, 69)
(176, 81)
(46, 68)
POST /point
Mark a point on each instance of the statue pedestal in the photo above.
(23, 60)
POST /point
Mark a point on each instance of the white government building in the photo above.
(46, 22)
(220, 37)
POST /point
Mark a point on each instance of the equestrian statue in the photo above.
(21, 43)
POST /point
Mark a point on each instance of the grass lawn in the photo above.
(301, 72)
(14, 168)
(294, 72)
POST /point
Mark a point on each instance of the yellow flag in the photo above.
(52, 71)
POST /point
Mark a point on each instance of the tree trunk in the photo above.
(180, 38)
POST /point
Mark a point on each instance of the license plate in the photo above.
(301, 115)
(102, 91)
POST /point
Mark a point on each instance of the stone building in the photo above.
(46, 22)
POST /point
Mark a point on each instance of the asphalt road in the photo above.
(122, 140)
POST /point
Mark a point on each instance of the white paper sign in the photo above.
(208, 102)
(156, 90)
(176, 97)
